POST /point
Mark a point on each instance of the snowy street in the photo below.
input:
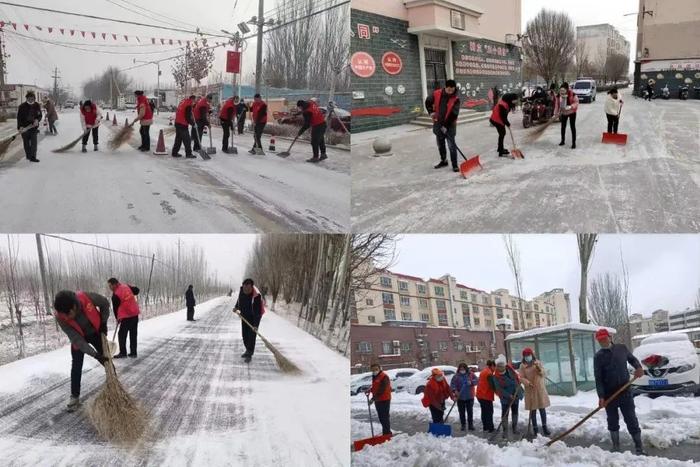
(206, 407)
(670, 430)
(128, 191)
(650, 185)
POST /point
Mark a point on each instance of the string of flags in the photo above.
(106, 36)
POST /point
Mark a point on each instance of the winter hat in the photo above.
(601, 334)
(210, 96)
(30, 94)
(138, 93)
(437, 372)
(527, 351)
(301, 103)
(450, 83)
(462, 365)
(501, 360)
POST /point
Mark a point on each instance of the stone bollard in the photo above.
(382, 147)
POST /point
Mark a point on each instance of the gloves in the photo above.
(103, 329)
(101, 358)
(443, 130)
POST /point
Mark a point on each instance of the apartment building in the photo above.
(641, 325)
(600, 41)
(660, 320)
(684, 319)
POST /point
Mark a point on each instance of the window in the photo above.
(369, 301)
(474, 297)
(463, 295)
(527, 307)
(485, 300)
(425, 317)
(405, 316)
(465, 308)
(512, 304)
(477, 322)
(489, 323)
(439, 291)
(387, 348)
(371, 319)
(443, 346)
(476, 308)
(498, 300)
(406, 301)
(458, 346)
(465, 317)
(389, 314)
(405, 346)
(385, 281)
(423, 303)
(457, 19)
(364, 347)
(421, 288)
(442, 318)
(440, 304)
(403, 285)
(537, 307)
(499, 312)
(387, 298)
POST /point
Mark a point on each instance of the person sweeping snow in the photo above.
(314, 119)
(83, 317)
(190, 303)
(565, 107)
(381, 396)
(499, 119)
(201, 115)
(259, 112)
(90, 119)
(227, 116)
(613, 105)
(126, 309)
(536, 398)
(443, 107)
(506, 384)
(29, 115)
(485, 395)
(251, 306)
(610, 369)
(436, 392)
(183, 118)
(462, 385)
(145, 117)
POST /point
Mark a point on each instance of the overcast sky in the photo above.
(226, 254)
(585, 12)
(31, 61)
(664, 270)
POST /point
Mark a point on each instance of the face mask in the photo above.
(463, 372)
(438, 378)
(528, 359)
(31, 101)
(375, 373)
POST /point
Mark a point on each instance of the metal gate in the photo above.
(435, 71)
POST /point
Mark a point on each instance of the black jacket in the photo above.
(27, 113)
(189, 297)
(610, 368)
(441, 110)
(250, 308)
(116, 301)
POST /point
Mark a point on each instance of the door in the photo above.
(435, 71)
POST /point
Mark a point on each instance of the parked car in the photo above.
(69, 105)
(671, 365)
(416, 383)
(585, 89)
(294, 117)
(360, 383)
(397, 374)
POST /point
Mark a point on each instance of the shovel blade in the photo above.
(283, 154)
(614, 138)
(211, 150)
(203, 154)
(469, 165)
(440, 429)
(373, 441)
(517, 154)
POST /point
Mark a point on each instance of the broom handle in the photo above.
(515, 394)
(449, 411)
(607, 401)
(511, 136)
(250, 325)
(369, 410)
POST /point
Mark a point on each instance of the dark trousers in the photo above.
(197, 132)
(625, 403)
(613, 121)
(437, 414)
(571, 118)
(128, 326)
(450, 138)
(227, 126)
(248, 334)
(318, 139)
(190, 312)
(383, 415)
(29, 139)
(513, 413)
(486, 414)
(52, 127)
(501, 129)
(95, 135)
(145, 132)
(182, 136)
(77, 357)
(543, 417)
(259, 128)
(469, 406)
(241, 124)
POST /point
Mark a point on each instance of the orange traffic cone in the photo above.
(272, 145)
(107, 116)
(160, 147)
(114, 119)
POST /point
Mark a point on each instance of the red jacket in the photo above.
(484, 390)
(317, 117)
(496, 112)
(381, 387)
(201, 110)
(259, 111)
(128, 306)
(436, 393)
(181, 113)
(228, 110)
(143, 100)
(90, 311)
(90, 116)
(451, 101)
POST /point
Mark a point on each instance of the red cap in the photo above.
(527, 351)
(601, 333)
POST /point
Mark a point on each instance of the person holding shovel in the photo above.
(83, 317)
(126, 309)
(565, 107)
(613, 106)
(259, 111)
(436, 392)
(506, 383)
(201, 114)
(314, 119)
(251, 306)
(190, 302)
(536, 398)
(462, 385)
(610, 369)
(51, 115)
(29, 115)
(90, 119)
(443, 107)
(381, 396)
(145, 117)
(241, 111)
(485, 395)
(499, 119)
(184, 117)
(227, 115)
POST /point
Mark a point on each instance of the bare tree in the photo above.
(550, 44)
(513, 254)
(586, 244)
(616, 67)
(608, 304)
(107, 86)
(194, 64)
(583, 66)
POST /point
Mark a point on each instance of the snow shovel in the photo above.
(203, 154)
(374, 440)
(615, 138)
(498, 428)
(607, 401)
(469, 164)
(287, 153)
(233, 149)
(211, 149)
(442, 429)
(515, 152)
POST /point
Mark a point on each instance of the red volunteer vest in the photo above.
(255, 109)
(180, 114)
(201, 110)
(91, 312)
(128, 307)
(317, 117)
(496, 112)
(386, 394)
(90, 116)
(228, 105)
(142, 100)
(437, 95)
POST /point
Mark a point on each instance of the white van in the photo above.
(585, 89)
(679, 375)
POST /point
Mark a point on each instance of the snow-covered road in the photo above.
(128, 191)
(650, 185)
(207, 407)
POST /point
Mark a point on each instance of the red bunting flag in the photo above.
(114, 36)
(50, 29)
(104, 35)
(83, 33)
(126, 38)
(93, 35)
(153, 40)
(14, 25)
(62, 31)
(162, 41)
(138, 40)
(39, 28)
(72, 32)
(26, 26)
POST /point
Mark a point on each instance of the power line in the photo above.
(159, 14)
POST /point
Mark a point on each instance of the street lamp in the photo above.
(502, 324)
(157, 64)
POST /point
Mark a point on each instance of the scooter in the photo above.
(683, 93)
(665, 93)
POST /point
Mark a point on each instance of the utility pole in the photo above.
(178, 263)
(55, 85)
(3, 71)
(42, 271)
(258, 61)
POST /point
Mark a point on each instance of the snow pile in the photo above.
(424, 450)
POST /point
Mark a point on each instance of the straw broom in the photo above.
(5, 144)
(122, 136)
(537, 132)
(72, 144)
(283, 362)
(116, 415)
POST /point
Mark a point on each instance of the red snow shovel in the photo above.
(515, 152)
(468, 165)
(615, 138)
(374, 440)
